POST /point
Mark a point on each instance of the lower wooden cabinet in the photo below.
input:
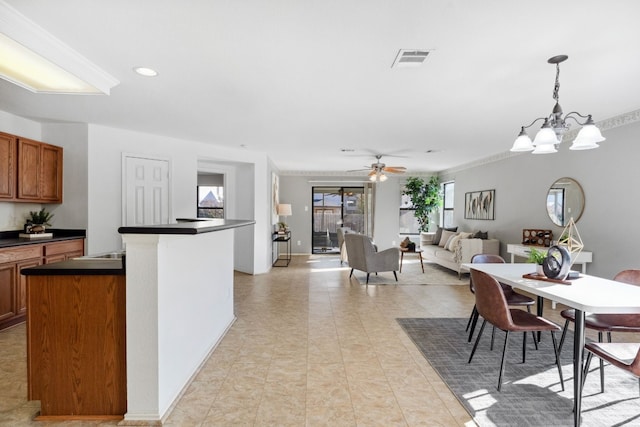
(76, 358)
(13, 286)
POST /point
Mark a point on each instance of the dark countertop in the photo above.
(78, 267)
(10, 238)
(188, 226)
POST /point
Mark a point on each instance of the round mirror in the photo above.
(565, 200)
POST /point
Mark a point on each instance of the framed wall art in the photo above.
(480, 205)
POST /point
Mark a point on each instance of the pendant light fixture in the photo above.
(555, 126)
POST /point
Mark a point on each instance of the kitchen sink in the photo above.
(104, 256)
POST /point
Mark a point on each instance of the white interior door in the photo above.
(146, 191)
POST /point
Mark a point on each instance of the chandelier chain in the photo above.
(556, 88)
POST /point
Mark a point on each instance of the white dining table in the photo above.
(587, 294)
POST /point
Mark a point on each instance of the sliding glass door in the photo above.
(335, 207)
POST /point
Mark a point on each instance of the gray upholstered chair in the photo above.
(363, 256)
(341, 231)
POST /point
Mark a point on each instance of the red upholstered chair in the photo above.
(493, 307)
(607, 322)
(513, 298)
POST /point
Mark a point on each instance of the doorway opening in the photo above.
(335, 207)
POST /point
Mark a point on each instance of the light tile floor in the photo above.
(310, 347)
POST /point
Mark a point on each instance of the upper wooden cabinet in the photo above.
(30, 171)
(8, 144)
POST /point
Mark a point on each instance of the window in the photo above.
(408, 222)
(447, 203)
(210, 201)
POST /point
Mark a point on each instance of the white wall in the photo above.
(73, 138)
(106, 146)
(608, 175)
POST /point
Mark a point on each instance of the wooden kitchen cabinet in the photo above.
(13, 286)
(39, 172)
(76, 351)
(8, 145)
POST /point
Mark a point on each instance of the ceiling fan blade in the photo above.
(359, 170)
(395, 169)
(373, 172)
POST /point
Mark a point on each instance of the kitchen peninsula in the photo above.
(179, 306)
(161, 311)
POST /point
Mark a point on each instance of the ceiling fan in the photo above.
(378, 170)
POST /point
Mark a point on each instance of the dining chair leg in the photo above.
(475, 346)
(587, 363)
(557, 353)
(351, 274)
(473, 324)
(564, 334)
(504, 351)
(493, 336)
(601, 366)
(473, 312)
(367, 278)
(535, 341)
(395, 275)
(524, 346)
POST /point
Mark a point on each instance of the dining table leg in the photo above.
(539, 312)
(578, 356)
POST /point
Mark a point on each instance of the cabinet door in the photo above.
(21, 290)
(7, 166)
(7, 291)
(51, 173)
(28, 169)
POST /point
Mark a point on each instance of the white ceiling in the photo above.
(301, 79)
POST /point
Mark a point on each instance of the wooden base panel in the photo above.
(78, 417)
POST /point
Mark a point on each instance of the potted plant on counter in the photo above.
(38, 221)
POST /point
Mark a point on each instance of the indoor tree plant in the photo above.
(425, 197)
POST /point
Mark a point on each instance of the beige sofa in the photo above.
(464, 249)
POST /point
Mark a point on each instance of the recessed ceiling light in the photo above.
(146, 72)
(347, 150)
(410, 58)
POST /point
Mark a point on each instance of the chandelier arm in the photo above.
(534, 122)
(587, 117)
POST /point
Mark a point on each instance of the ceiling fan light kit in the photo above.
(379, 170)
(555, 126)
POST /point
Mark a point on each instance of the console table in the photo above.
(583, 257)
(277, 239)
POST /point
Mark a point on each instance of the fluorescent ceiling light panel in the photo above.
(35, 60)
(410, 58)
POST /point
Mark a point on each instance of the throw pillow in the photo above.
(481, 235)
(405, 242)
(453, 241)
(464, 235)
(446, 235)
(438, 236)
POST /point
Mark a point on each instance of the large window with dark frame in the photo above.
(447, 204)
(408, 222)
(210, 201)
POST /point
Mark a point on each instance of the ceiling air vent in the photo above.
(410, 58)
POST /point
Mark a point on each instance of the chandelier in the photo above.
(555, 126)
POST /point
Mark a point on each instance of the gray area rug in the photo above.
(531, 393)
(412, 275)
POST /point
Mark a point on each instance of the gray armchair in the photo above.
(341, 231)
(363, 256)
